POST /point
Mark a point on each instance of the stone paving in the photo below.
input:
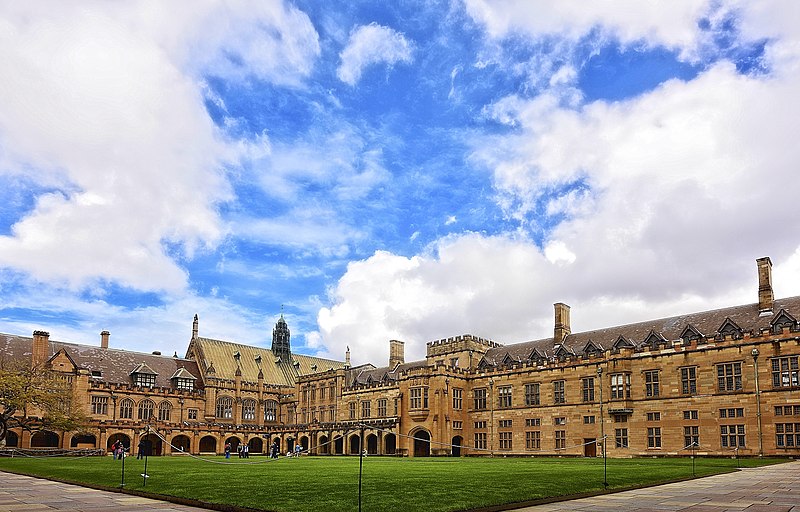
(767, 489)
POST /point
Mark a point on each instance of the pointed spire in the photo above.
(281, 337)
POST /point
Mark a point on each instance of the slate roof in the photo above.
(113, 365)
(220, 353)
(369, 374)
(707, 323)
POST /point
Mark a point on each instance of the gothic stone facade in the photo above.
(723, 382)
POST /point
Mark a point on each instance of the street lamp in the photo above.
(755, 353)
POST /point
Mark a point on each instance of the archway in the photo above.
(323, 448)
(304, 443)
(234, 441)
(390, 444)
(338, 445)
(181, 443)
(255, 445)
(457, 442)
(44, 439)
(372, 444)
(150, 445)
(355, 444)
(122, 438)
(208, 444)
(290, 444)
(83, 441)
(422, 443)
(12, 439)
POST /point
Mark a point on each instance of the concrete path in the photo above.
(768, 489)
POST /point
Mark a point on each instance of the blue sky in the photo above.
(408, 171)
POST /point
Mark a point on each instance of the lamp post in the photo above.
(755, 353)
(602, 427)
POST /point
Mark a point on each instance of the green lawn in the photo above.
(389, 484)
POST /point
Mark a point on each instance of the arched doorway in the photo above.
(208, 444)
(255, 445)
(150, 445)
(122, 438)
(44, 439)
(83, 441)
(456, 448)
(181, 443)
(290, 445)
(234, 441)
(304, 443)
(422, 443)
(12, 439)
(389, 444)
(372, 444)
(323, 448)
(338, 445)
(355, 444)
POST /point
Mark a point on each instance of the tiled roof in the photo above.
(113, 365)
(370, 374)
(220, 353)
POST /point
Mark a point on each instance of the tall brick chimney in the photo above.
(562, 328)
(104, 339)
(41, 348)
(765, 294)
(396, 353)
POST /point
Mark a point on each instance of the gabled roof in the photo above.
(143, 368)
(183, 373)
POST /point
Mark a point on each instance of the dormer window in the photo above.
(183, 380)
(184, 384)
(143, 376)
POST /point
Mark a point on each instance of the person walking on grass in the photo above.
(227, 450)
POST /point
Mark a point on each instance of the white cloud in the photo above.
(372, 44)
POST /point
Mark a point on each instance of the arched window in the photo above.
(126, 409)
(146, 408)
(164, 409)
(248, 409)
(225, 407)
(270, 410)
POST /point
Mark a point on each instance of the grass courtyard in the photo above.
(388, 484)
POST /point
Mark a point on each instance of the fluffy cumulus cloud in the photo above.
(104, 109)
(369, 45)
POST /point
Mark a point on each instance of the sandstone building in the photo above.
(719, 382)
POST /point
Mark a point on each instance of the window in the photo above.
(506, 423)
(531, 394)
(224, 407)
(353, 406)
(313, 414)
(382, 402)
(691, 436)
(100, 405)
(785, 372)
(291, 412)
(419, 398)
(322, 391)
(164, 409)
(588, 389)
(192, 414)
(533, 422)
(621, 437)
(184, 384)
(396, 406)
(479, 396)
(732, 436)
(146, 408)
(454, 362)
(559, 396)
(480, 440)
(787, 435)
(332, 390)
(690, 415)
(654, 437)
(561, 439)
(787, 410)
(504, 397)
(458, 402)
(365, 409)
(479, 425)
(588, 420)
(729, 377)
(733, 412)
(506, 442)
(305, 393)
(126, 409)
(689, 380)
(147, 380)
(620, 386)
(249, 409)
(651, 387)
(653, 416)
(270, 410)
(620, 418)
(458, 425)
(533, 440)
(313, 393)
(560, 420)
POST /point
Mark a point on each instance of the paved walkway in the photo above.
(768, 489)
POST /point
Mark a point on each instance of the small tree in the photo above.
(36, 399)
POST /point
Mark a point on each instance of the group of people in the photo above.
(118, 449)
(242, 449)
(275, 449)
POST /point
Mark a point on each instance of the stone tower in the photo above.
(280, 341)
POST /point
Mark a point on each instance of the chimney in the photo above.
(104, 339)
(195, 326)
(765, 294)
(41, 348)
(347, 358)
(396, 353)
(561, 329)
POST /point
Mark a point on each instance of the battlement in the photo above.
(463, 343)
